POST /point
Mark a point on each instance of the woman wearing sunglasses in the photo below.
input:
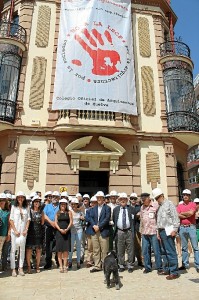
(35, 233)
(76, 232)
(19, 221)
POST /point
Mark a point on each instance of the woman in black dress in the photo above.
(35, 233)
(63, 222)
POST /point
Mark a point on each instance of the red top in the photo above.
(184, 208)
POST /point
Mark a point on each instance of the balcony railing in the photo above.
(93, 115)
(174, 48)
(183, 121)
(7, 110)
(11, 30)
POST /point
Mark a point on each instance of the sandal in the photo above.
(38, 270)
(14, 274)
(65, 270)
(29, 270)
(61, 270)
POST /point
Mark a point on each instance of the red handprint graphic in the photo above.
(104, 61)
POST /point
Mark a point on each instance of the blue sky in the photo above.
(188, 27)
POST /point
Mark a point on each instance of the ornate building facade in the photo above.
(42, 149)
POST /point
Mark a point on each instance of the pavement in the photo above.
(83, 285)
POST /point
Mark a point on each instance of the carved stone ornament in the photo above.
(94, 158)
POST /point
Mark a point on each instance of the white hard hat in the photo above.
(113, 193)
(86, 196)
(122, 195)
(107, 196)
(47, 194)
(70, 198)
(93, 199)
(9, 196)
(133, 195)
(28, 197)
(20, 193)
(78, 195)
(64, 194)
(13, 197)
(3, 196)
(36, 197)
(196, 200)
(56, 193)
(75, 200)
(63, 200)
(156, 192)
(99, 194)
(186, 191)
(32, 195)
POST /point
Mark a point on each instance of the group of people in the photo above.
(129, 225)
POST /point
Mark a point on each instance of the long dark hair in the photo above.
(24, 204)
(59, 212)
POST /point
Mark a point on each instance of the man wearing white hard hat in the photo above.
(136, 203)
(47, 197)
(186, 212)
(167, 224)
(196, 201)
(112, 205)
(50, 211)
(124, 221)
(99, 219)
(89, 231)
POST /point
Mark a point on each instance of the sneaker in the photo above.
(21, 272)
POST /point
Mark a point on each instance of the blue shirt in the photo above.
(50, 211)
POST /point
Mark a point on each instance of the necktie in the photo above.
(124, 218)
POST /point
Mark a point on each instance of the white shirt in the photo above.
(99, 210)
(112, 206)
(119, 221)
(20, 220)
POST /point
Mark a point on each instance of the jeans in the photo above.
(50, 242)
(78, 238)
(149, 241)
(187, 233)
(168, 244)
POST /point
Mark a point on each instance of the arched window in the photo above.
(179, 90)
(9, 76)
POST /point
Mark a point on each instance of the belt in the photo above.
(187, 225)
(126, 229)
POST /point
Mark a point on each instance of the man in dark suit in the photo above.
(124, 222)
(99, 217)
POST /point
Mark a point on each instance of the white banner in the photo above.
(95, 63)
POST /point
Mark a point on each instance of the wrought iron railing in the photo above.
(174, 48)
(7, 110)
(11, 30)
(183, 121)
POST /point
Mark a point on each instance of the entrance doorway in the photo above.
(92, 181)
